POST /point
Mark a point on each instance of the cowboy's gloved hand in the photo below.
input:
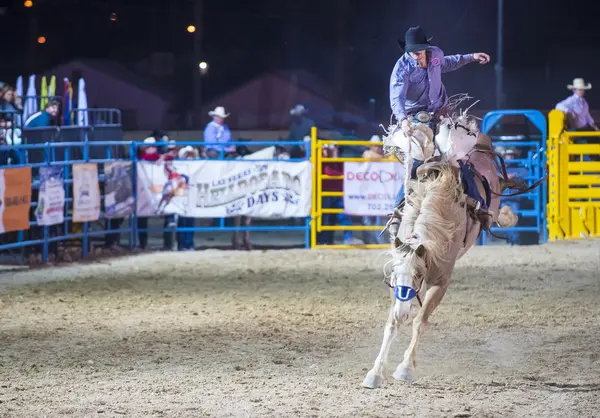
(481, 57)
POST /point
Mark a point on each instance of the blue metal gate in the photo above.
(530, 159)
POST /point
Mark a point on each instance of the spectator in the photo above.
(299, 129)
(168, 154)
(43, 118)
(333, 202)
(185, 240)
(146, 153)
(577, 112)
(374, 153)
(217, 132)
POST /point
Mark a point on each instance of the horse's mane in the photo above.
(433, 212)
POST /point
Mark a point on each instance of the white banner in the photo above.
(213, 189)
(370, 188)
(86, 193)
(51, 197)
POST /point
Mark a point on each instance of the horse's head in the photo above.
(456, 137)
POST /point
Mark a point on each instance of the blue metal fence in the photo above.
(62, 154)
(532, 158)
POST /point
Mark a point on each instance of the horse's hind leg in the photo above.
(374, 378)
(433, 297)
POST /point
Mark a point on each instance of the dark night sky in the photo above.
(545, 45)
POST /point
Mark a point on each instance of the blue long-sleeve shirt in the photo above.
(414, 89)
(216, 133)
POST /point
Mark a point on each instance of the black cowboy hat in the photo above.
(414, 40)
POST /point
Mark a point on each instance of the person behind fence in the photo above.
(509, 154)
(149, 152)
(167, 155)
(11, 111)
(217, 132)
(577, 112)
(185, 239)
(373, 153)
(416, 81)
(299, 129)
(334, 202)
(45, 117)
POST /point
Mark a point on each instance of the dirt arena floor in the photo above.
(293, 333)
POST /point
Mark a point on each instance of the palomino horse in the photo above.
(439, 224)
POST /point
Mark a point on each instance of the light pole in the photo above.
(499, 47)
(197, 94)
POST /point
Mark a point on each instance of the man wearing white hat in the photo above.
(576, 108)
(217, 132)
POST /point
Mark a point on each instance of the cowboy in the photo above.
(577, 112)
(576, 108)
(217, 132)
(416, 81)
(299, 129)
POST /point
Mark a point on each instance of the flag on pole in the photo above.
(82, 113)
(19, 91)
(44, 93)
(52, 87)
(30, 103)
(67, 102)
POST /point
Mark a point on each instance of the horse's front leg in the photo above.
(374, 378)
(433, 297)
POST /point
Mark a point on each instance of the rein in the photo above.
(502, 167)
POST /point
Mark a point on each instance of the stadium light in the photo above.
(203, 66)
(191, 28)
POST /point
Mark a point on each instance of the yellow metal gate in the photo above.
(317, 205)
(574, 182)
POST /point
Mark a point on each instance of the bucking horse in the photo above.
(453, 188)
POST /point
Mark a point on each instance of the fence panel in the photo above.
(60, 154)
(574, 172)
(531, 207)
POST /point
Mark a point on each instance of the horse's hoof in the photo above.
(403, 373)
(372, 381)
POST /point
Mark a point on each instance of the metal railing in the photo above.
(62, 154)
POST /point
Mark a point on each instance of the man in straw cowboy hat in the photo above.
(577, 112)
(576, 108)
(416, 81)
(217, 132)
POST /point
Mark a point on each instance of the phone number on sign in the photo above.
(380, 206)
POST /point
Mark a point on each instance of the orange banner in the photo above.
(15, 199)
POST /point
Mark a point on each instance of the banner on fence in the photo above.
(51, 198)
(118, 189)
(211, 189)
(370, 188)
(15, 199)
(86, 193)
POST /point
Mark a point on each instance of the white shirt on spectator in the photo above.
(577, 111)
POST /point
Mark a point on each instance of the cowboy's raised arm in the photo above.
(454, 62)
(398, 87)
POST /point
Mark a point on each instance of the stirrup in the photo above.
(395, 218)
